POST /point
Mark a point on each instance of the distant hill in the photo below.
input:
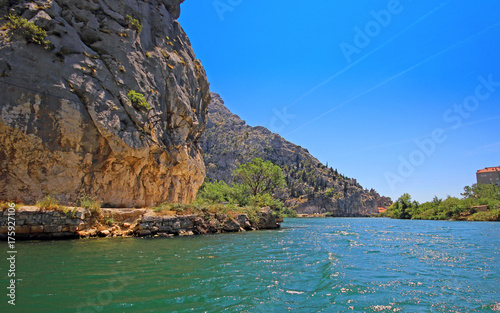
(311, 186)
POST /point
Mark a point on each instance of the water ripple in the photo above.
(311, 265)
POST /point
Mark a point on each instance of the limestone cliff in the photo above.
(312, 187)
(111, 104)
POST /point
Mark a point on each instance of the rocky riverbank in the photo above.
(70, 223)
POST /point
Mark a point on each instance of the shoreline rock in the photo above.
(33, 223)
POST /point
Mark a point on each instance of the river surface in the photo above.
(310, 265)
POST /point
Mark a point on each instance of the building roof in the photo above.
(381, 210)
(490, 169)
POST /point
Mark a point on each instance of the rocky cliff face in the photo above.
(111, 104)
(311, 186)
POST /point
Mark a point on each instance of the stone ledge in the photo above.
(33, 223)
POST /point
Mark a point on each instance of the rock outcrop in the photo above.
(357, 204)
(151, 224)
(70, 222)
(112, 106)
(311, 188)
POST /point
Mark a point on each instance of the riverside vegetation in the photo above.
(465, 209)
(255, 185)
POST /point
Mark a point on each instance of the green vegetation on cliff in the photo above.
(475, 198)
(138, 101)
(21, 27)
(134, 24)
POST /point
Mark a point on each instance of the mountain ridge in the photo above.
(312, 187)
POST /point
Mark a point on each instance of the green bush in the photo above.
(493, 215)
(252, 213)
(134, 24)
(49, 203)
(72, 212)
(287, 212)
(266, 200)
(220, 192)
(28, 30)
(89, 203)
(239, 195)
(216, 192)
(138, 100)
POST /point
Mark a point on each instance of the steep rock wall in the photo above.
(68, 126)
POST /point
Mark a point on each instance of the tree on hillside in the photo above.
(261, 177)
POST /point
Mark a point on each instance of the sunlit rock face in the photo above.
(112, 108)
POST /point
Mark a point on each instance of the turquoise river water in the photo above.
(310, 265)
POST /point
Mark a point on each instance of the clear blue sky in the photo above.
(358, 82)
